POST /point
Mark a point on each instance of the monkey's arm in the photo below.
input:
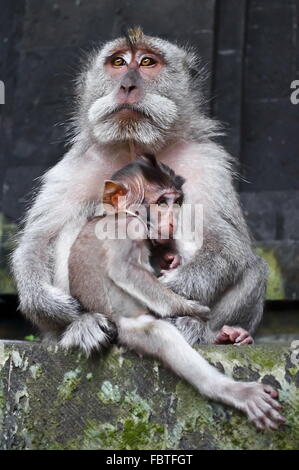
(226, 275)
(32, 264)
(218, 264)
(128, 274)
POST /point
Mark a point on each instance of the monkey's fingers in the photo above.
(201, 311)
(271, 391)
(222, 338)
(244, 338)
(260, 405)
(244, 335)
(204, 312)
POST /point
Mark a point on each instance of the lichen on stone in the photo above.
(70, 383)
(53, 400)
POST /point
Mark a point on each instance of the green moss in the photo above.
(35, 371)
(137, 406)
(109, 393)
(264, 359)
(127, 434)
(147, 409)
(7, 244)
(2, 405)
(22, 400)
(71, 380)
(133, 428)
(275, 285)
(4, 355)
(31, 338)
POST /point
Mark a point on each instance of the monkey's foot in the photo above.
(260, 403)
(233, 335)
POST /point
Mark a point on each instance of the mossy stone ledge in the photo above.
(50, 399)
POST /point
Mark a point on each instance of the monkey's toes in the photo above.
(272, 391)
(262, 409)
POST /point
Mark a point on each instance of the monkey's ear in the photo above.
(112, 191)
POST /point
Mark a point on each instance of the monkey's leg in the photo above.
(158, 338)
(240, 308)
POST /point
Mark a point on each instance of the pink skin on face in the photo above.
(145, 62)
(233, 335)
(134, 60)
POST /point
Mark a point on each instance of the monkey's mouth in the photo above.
(128, 111)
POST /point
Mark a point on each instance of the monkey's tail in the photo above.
(90, 332)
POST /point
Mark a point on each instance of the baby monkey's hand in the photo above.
(193, 308)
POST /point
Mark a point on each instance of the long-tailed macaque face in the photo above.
(137, 88)
(150, 184)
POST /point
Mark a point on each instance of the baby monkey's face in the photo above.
(150, 190)
(163, 206)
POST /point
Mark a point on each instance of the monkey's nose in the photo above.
(127, 89)
(128, 94)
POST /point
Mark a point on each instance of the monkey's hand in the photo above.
(194, 309)
(233, 335)
(191, 308)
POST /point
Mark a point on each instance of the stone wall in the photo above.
(53, 400)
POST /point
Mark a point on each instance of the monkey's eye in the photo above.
(147, 61)
(118, 62)
(162, 202)
(179, 201)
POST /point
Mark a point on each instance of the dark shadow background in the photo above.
(251, 49)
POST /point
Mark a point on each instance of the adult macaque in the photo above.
(137, 95)
(114, 276)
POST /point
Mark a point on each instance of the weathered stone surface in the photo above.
(50, 400)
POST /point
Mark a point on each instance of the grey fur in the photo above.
(225, 273)
(115, 277)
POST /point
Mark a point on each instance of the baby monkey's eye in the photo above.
(118, 61)
(179, 201)
(147, 61)
(162, 202)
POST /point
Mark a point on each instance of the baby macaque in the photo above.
(114, 277)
